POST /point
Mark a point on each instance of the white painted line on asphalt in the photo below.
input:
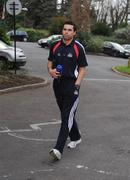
(80, 167)
(111, 80)
(98, 171)
(29, 139)
(34, 127)
(6, 130)
(41, 170)
(31, 172)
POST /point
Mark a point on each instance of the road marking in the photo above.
(41, 170)
(29, 139)
(107, 80)
(30, 172)
(7, 130)
(80, 167)
(98, 171)
(34, 127)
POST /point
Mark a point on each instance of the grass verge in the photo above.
(123, 69)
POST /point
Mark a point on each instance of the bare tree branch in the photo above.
(81, 14)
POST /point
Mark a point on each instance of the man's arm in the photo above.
(53, 73)
(81, 75)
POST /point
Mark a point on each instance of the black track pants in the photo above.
(67, 97)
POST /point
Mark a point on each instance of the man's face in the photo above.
(68, 32)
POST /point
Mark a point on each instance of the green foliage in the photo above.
(95, 44)
(3, 35)
(90, 42)
(56, 24)
(39, 13)
(100, 29)
(123, 69)
(111, 38)
(35, 34)
(83, 37)
(4, 66)
(123, 25)
(123, 34)
(129, 62)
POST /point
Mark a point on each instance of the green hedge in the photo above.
(3, 36)
(90, 42)
(94, 44)
(35, 34)
(123, 34)
(101, 28)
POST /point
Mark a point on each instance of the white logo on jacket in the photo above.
(70, 55)
(76, 92)
(58, 54)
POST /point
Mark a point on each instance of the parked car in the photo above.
(20, 35)
(126, 47)
(115, 49)
(7, 54)
(46, 42)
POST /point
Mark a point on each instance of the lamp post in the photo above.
(14, 7)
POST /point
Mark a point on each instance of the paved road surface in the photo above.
(29, 122)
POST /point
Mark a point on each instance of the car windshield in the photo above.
(21, 33)
(3, 45)
(118, 46)
(50, 37)
(127, 46)
(11, 33)
(54, 37)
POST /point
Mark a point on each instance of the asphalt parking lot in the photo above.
(29, 122)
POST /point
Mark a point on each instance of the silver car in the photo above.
(46, 42)
(126, 47)
(7, 54)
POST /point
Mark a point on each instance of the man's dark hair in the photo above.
(70, 23)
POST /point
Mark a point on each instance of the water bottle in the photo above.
(59, 68)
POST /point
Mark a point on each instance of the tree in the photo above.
(39, 12)
(2, 9)
(81, 14)
(64, 8)
(111, 12)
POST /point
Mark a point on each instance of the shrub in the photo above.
(83, 37)
(100, 29)
(4, 66)
(3, 36)
(35, 34)
(95, 44)
(56, 24)
(90, 42)
(123, 34)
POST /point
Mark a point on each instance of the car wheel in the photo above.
(25, 39)
(42, 45)
(115, 54)
(11, 65)
(3, 63)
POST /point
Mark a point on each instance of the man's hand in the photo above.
(54, 73)
(82, 72)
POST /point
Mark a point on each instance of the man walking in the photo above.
(69, 54)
